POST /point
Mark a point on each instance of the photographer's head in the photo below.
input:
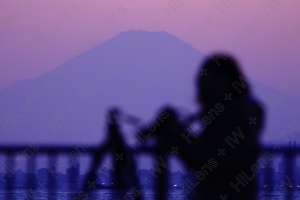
(215, 79)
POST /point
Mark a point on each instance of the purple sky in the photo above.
(37, 36)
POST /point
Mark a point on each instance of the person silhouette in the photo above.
(233, 120)
(226, 148)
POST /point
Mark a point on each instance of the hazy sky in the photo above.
(37, 36)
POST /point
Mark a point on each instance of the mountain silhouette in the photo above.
(137, 71)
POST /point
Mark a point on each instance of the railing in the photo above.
(16, 156)
(284, 184)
